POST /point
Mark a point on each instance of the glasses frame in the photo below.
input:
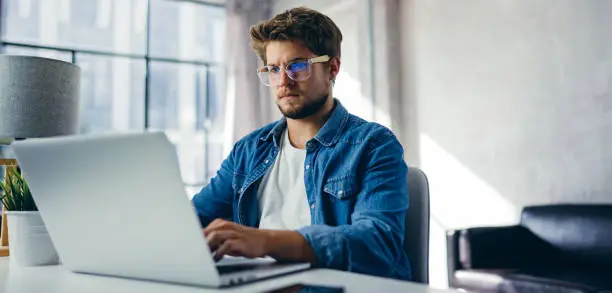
(319, 59)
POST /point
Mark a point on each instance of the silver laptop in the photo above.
(115, 205)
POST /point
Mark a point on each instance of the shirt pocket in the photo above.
(342, 188)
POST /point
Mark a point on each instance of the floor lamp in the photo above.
(39, 97)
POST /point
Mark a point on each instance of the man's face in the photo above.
(299, 99)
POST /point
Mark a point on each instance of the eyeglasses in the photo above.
(298, 70)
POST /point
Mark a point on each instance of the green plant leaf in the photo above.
(30, 204)
(22, 192)
(16, 195)
(8, 200)
(4, 195)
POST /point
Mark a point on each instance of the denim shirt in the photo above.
(355, 178)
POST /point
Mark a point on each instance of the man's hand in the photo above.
(228, 238)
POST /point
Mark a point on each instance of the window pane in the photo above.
(186, 102)
(212, 120)
(103, 25)
(112, 93)
(186, 97)
(21, 20)
(53, 54)
(187, 30)
(210, 100)
(214, 155)
(165, 94)
(191, 151)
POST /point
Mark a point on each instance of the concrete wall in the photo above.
(513, 106)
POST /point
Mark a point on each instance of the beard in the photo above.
(309, 108)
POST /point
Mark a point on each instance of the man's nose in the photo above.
(284, 79)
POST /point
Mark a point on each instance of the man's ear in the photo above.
(334, 68)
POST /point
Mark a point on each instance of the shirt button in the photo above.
(307, 167)
(312, 206)
(340, 192)
(267, 161)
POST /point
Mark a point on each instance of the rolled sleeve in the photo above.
(363, 248)
(329, 245)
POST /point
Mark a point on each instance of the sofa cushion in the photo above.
(579, 232)
(549, 280)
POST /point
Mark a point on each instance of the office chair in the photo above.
(416, 235)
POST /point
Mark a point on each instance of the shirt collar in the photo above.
(327, 135)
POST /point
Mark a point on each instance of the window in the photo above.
(145, 64)
(112, 93)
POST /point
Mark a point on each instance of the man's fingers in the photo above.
(214, 225)
(216, 238)
(227, 238)
(229, 247)
(220, 224)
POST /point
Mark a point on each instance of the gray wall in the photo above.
(513, 105)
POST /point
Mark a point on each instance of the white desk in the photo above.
(54, 279)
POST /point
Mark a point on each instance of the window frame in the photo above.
(148, 59)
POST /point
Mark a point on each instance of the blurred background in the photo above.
(161, 64)
(503, 103)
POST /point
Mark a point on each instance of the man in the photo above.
(320, 185)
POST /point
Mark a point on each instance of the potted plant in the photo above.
(29, 243)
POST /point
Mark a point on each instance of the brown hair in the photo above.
(314, 30)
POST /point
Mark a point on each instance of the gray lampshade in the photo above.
(39, 97)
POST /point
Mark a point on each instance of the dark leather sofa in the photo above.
(554, 248)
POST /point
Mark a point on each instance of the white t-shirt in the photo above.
(283, 204)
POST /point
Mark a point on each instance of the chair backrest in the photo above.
(416, 236)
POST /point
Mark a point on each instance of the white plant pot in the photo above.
(29, 242)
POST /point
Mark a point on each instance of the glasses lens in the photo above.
(264, 76)
(299, 70)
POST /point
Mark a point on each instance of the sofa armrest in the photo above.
(505, 247)
(452, 255)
